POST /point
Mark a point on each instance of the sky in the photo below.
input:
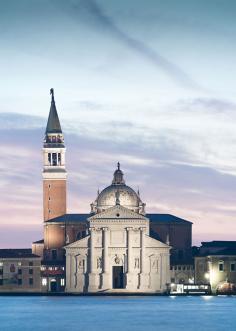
(150, 84)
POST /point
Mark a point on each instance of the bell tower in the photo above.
(54, 172)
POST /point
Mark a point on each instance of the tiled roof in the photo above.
(157, 218)
(41, 241)
(17, 253)
(218, 243)
(166, 218)
(70, 218)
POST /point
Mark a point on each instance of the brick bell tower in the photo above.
(54, 172)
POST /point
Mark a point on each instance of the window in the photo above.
(171, 268)
(31, 263)
(1, 281)
(31, 271)
(44, 281)
(31, 281)
(54, 159)
(1, 271)
(62, 282)
(19, 264)
(59, 158)
(19, 271)
(221, 266)
(232, 266)
(175, 267)
(1, 264)
(19, 281)
(49, 158)
(179, 267)
(184, 267)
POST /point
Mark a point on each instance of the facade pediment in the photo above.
(151, 242)
(79, 243)
(118, 212)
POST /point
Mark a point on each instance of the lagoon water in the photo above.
(117, 313)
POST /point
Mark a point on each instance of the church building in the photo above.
(117, 246)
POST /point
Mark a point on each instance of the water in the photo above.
(117, 313)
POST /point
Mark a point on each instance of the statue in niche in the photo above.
(136, 263)
(154, 264)
(99, 262)
(80, 264)
(117, 259)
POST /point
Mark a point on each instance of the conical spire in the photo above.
(53, 125)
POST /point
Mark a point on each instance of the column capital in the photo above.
(142, 228)
(129, 228)
(105, 228)
(92, 229)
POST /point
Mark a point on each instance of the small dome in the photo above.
(118, 193)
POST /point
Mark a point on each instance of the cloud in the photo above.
(135, 45)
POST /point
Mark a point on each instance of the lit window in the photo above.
(44, 281)
(62, 282)
(221, 266)
(1, 264)
(19, 264)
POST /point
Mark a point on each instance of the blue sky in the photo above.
(148, 83)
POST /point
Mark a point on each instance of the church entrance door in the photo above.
(53, 286)
(118, 277)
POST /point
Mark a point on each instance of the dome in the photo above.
(118, 193)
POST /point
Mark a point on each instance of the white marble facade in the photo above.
(118, 255)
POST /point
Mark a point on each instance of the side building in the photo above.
(215, 265)
(20, 271)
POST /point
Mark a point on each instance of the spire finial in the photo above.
(118, 165)
(52, 92)
(117, 198)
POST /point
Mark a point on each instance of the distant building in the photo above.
(20, 271)
(216, 264)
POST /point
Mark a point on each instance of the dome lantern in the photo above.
(118, 178)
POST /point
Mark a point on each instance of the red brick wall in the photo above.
(54, 198)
